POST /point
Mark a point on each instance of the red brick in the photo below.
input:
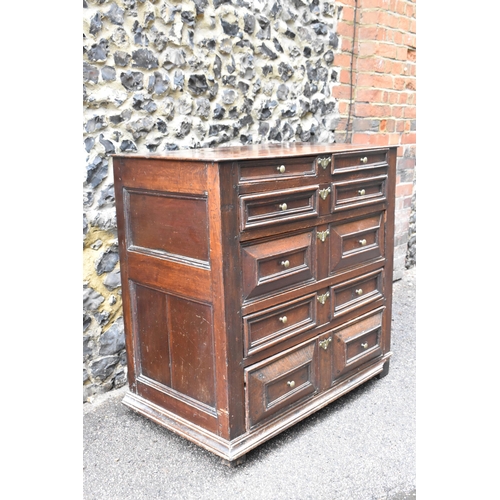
(374, 139)
(373, 64)
(404, 24)
(368, 48)
(410, 138)
(374, 110)
(345, 29)
(404, 189)
(341, 92)
(369, 17)
(368, 32)
(413, 26)
(370, 95)
(392, 20)
(375, 81)
(342, 60)
(345, 76)
(402, 53)
(410, 112)
(347, 13)
(375, 4)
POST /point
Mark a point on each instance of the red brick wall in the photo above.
(383, 106)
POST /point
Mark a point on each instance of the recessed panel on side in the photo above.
(175, 340)
(192, 349)
(167, 224)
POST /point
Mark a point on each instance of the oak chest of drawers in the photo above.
(256, 284)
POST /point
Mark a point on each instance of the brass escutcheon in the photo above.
(322, 298)
(324, 192)
(324, 162)
(324, 343)
(323, 234)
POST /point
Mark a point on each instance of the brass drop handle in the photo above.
(284, 319)
(324, 343)
(283, 206)
(362, 242)
(291, 384)
(285, 263)
(359, 291)
(365, 345)
(361, 192)
(364, 159)
(281, 169)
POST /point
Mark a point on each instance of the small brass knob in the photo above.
(283, 206)
(291, 383)
(364, 159)
(285, 263)
(365, 345)
(284, 319)
(359, 291)
(361, 192)
(281, 169)
(362, 242)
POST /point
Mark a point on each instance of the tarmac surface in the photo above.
(360, 447)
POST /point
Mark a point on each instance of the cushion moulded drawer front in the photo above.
(275, 264)
(356, 241)
(358, 192)
(262, 209)
(355, 293)
(277, 383)
(343, 162)
(273, 325)
(356, 342)
(275, 169)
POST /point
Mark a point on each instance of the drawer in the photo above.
(278, 264)
(358, 192)
(273, 325)
(357, 241)
(275, 169)
(344, 162)
(357, 342)
(277, 383)
(353, 294)
(275, 207)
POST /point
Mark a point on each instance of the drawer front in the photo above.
(357, 241)
(278, 264)
(273, 325)
(353, 294)
(358, 160)
(357, 342)
(276, 384)
(275, 169)
(263, 209)
(358, 192)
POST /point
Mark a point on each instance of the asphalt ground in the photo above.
(360, 447)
